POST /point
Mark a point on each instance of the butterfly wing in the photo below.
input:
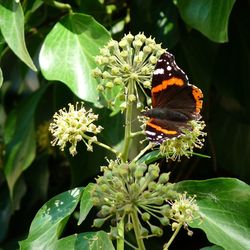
(172, 92)
(171, 88)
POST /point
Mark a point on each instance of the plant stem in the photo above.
(102, 145)
(128, 119)
(136, 225)
(137, 133)
(120, 240)
(107, 147)
(166, 246)
(143, 151)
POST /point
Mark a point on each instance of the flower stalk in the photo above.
(128, 125)
(176, 231)
(137, 230)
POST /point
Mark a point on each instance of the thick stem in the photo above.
(167, 245)
(128, 120)
(137, 230)
(120, 240)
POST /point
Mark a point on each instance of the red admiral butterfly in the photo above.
(175, 102)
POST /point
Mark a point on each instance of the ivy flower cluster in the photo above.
(184, 145)
(74, 125)
(127, 67)
(183, 211)
(128, 191)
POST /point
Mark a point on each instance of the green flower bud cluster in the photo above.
(184, 145)
(72, 125)
(130, 61)
(183, 211)
(128, 188)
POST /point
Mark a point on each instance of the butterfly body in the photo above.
(166, 114)
(175, 102)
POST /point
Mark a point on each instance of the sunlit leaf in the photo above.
(68, 54)
(86, 203)
(224, 208)
(210, 17)
(50, 220)
(12, 28)
(94, 241)
(214, 247)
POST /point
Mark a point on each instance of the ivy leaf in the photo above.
(210, 17)
(86, 203)
(1, 78)
(19, 138)
(68, 54)
(94, 241)
(224, 208)
(12, 28)
(151, 157)
(50, 220)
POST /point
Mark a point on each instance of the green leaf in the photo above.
(87, 241)
(224, 207)
(214, 247)
(1, 78)
(94, 241)
(86, 203)
(210, 17)
(12, 28)
(68, 54)
(50, 220)
(151, 157)
(20, 140)
(66, 243)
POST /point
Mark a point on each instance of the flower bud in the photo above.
(157, 231)
(99, 222)
(145, 216)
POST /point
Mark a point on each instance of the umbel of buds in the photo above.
(135, 191)
(127, 67)
(74, 125)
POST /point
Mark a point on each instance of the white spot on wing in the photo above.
(150, 133)
(169, 68)
(159, 71)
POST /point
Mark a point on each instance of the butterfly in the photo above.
(175, 102)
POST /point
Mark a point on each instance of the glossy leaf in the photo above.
(210, 17)
(12, 28)
(1, 78)
(214, 247)
(94, 241)
(50, 220)
(224, 207)
(66, 243)
(86, 203)
(151, 157)
(68, 54)
(20, 139)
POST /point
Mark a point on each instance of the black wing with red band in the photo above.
(174, 101)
